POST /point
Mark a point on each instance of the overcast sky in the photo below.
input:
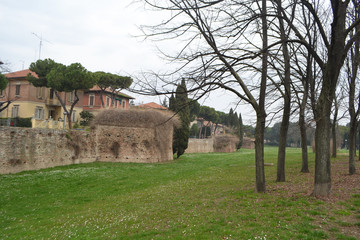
(98, 34)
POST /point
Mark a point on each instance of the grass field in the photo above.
(199, 196)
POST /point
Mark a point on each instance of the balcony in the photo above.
(52, 102)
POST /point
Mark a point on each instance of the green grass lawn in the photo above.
(199, 196)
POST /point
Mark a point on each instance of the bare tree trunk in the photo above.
(307, 82)
(280, 177)
(6, 104)
(259, 152)
(333, 129)
(76, 100)
(352, 146)
(322, 186)
(354, 113)
(63, 104)
(304, 148)
(101, 98)
(260, 113)
(331, 71)
(359, 138)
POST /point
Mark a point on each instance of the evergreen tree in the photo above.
(164, 103)
(194, 109)
(233, 119)
(86, 117)
(61, 78)
(3, 83)
(229, 118)
(181, 136)
(172, 104)
(240, 132)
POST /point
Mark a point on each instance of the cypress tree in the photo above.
(172, 103)
(240, 132)
(181, 136)
(233, 119)
(230, 118)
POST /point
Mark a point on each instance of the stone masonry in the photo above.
(30, 149)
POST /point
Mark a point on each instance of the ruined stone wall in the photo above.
(31, 149)
(129, 144)
(200, 145)
(28, 149)
(225, 143)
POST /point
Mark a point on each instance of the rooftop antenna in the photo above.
(41, 40)
(23, 63)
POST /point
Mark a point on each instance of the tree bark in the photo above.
(76, 100)
(6, 104)
(359, 138)
(101, 98)
(280, 177)
(354, 113)
(304, 148)
(259, 152)
(352, 146)
(331, 71)
(260, 111)
(63, 104)
(333, 129)
(322, 186)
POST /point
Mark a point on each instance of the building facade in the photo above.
(39, 103)
(92, 100)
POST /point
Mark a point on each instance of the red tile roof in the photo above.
(109, 90)
(152, 105)
(20, 74)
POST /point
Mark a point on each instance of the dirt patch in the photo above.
(344, 186)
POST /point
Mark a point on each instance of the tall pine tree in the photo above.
(240, 132)
(181, 134)
(172, 103)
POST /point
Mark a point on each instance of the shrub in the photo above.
(86, 117)
(16, 122)
(135, 118)
(222, 141)
(23, 122)
(194, 131)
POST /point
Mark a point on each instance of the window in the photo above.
(2, 91)
(123, 103)
(91, 100)
(39, 113)
(39, 91)
(17, 89)
(15, 111)
(51, 114)
(72, 96)
(108, 101)
(51, 95)
(73, 116)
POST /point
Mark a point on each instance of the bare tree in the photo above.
(352, 66)
(334, 127)
(219, 52)
(286, 94)
(337, 44)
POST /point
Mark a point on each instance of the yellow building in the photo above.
(39, 103)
